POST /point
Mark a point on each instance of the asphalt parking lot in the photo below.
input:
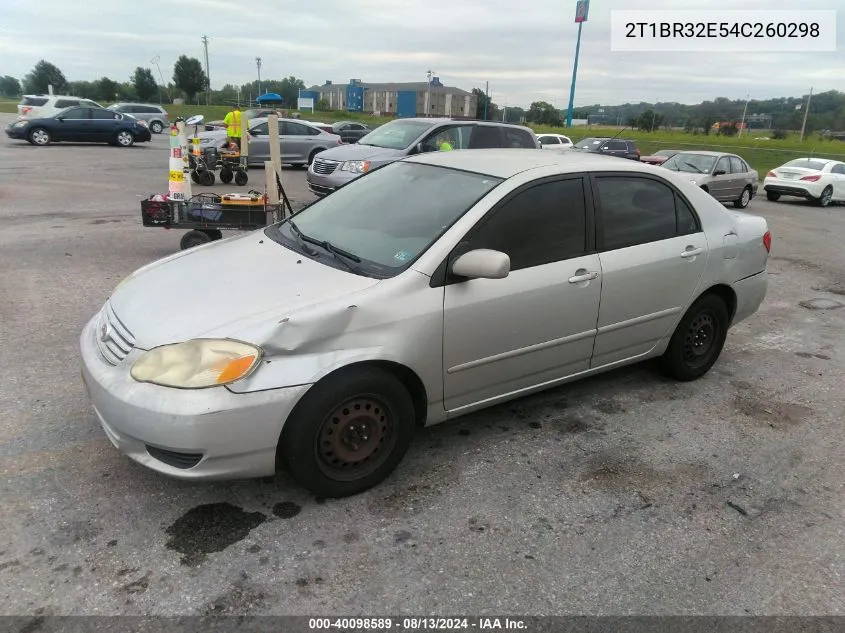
(623, 494)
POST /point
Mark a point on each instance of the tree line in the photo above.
(189, 82)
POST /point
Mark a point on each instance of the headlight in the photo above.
(356, 166)
(21, 123)
(197, 364)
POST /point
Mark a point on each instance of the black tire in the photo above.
(312, 155)
(744, 198)
(691, 355)
(241, 178)
(226, 175)
(124, 138)
(195, 176)
(39, 136)
(771, 196)
(214, 234)
(193, 238)
(321, 443)
(206, 178)
(156, 127)
(826, 197)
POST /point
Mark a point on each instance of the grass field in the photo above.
(762, 155)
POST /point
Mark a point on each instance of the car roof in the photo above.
(702, 152)
(505, 163)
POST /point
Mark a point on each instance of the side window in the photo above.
(295, 129)
(149, 110)
(618, 146)
(736, 165)
(838, 169)
(90, 104)
(458, 136)
(356, 126)
(542, 224)
(262, 129)
(724, 165)
(77, 113)
(104, 114)
(518, 138)
(66, 103)
(685, 218)
(549, 140)
(635, 211)
(485, 137)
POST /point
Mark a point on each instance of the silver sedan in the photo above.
(300, 142)
(320, 343)
(726, 177)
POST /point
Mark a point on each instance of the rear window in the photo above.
(806, 164)
(591, 144)
(66, 103)
(34, 101)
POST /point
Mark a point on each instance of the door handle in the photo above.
(692, 252)
(582, 276)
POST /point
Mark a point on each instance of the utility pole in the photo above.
(207, 72)
(486, 98)
(154, 62)
(428, 74)
(653, 116)
(744, 111)
(258, 66)
(806, 113)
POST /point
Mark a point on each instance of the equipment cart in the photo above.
(207, 215)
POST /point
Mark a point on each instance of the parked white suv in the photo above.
(35, 106)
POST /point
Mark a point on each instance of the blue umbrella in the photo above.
(269, 97)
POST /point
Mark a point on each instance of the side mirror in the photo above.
(482, 264)
(418, 148)
(719, 172)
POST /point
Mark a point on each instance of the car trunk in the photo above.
(795, 173)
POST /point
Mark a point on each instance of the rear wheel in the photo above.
(39, 136)
(312, 155)
(744, 199)
(824, 199)
(206, 178)
(156, 127)
(214, 234)
(771, 196)
(698, 340)
(195, 176)
(241, 178)
(348, 433)
(194, 238)
(226, 175)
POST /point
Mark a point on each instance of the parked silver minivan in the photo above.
(406, 137)
(154, 115)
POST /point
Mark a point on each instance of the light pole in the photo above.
(258, 66)
(744, 111)
(154, 62)
(581, 10)
(806, 113)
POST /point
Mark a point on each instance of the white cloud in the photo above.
(525, 50)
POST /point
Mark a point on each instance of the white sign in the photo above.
(305, 104)
(723, 31)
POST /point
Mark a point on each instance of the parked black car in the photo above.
(350, 131)
(623, 148)
(81, 125)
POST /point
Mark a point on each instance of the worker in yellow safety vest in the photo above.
(233, 126)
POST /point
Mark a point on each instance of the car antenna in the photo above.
(620, 132)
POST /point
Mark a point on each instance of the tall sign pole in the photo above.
(806, 114)
(582, 8)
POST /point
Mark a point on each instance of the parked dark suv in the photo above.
(405, 137)
(623, 148)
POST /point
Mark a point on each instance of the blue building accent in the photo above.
(310, 94)
(406, 104)
(355, 96)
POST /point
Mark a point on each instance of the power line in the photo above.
(207, 72)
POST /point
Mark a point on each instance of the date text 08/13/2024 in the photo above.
(416, 624)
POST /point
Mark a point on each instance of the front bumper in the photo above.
(789, 187)
(185, 433)
(324, 184)
(143, 135)
(16, 132)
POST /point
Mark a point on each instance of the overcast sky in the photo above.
(525, 48)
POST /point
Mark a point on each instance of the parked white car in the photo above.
(818, 180)
(554, 141)
(39, 106)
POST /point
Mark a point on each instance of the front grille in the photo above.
(324, 167)
(319, 189)
(114, 340)
(173, 458)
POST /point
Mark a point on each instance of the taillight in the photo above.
(25, 109)
(771, 174)
(811, 178)
(767, 241)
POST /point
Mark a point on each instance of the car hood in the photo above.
(223, 288)
(694, 178)
(357, 151)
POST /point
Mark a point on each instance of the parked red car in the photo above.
(659, 157)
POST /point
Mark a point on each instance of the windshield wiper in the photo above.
(694, 167)
(300, 237)
(338, 253)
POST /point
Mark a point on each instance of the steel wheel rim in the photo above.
(746, 198)
(156, 128)
(355, 439)
(124, 138)
(40, 137)
(700, 339)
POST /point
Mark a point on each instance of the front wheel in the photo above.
(241, 178)
(772, 196)
(206, 178)
(124, 138)
(348, 433)
(226, 175)
(194, 238)
(827, 195)
(698, 340)
(744, 199)
(39, 136)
